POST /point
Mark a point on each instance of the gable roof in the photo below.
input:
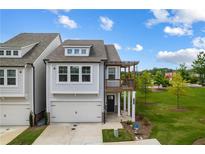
(98, 52)
(42, 41)
(112, 53)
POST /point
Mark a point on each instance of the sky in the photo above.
(156, 38)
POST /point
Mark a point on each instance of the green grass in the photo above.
(28, 136)
(108, 136)
(171, 127)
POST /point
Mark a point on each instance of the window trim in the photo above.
(11, 55)
(6, 77)
(85, 74)
(87, 49)
(80, 74)
(59, 74)
(112, 74)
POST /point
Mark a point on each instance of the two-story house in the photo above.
(84, 82)
(23, 76)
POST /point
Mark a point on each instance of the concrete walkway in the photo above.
(84, 133)
(8, 133)
(140, 142)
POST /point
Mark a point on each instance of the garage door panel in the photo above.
(14, 114)
(76, 112)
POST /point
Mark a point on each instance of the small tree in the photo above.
(178, 87)
(199, 67)
(145, 81)
(183, 71)
(159, 78)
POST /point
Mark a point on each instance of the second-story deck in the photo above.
(128, 81)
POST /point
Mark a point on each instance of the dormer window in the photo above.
(1, 52)
(76, 51)
(8, 52)
(15, 53)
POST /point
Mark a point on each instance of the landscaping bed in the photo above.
(124, 135)
(28, 136)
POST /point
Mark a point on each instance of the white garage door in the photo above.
(76, 112)
(14, 114)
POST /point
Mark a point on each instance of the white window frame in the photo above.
(112, 74)
(6, 77)
(85, 74)
(80, 74)
(59, 74)
(3, 77)
(12, 55)
(80, 51)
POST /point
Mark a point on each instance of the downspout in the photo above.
(104, 92)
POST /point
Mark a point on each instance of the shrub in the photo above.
(31, 119)
(46, 118)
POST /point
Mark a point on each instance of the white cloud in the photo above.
(181, 56)
(117, 46)
(106, 23)
(138, 47)
(177, 31)
(178, 18)
(199, 42)
(55, 11)
(67, 22)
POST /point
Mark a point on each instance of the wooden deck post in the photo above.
(128, 107)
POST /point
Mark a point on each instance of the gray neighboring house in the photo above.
(84, 82)
(23, 76)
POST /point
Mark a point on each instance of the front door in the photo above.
(110, 103)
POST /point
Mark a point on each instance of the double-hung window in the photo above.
(11, 77)
(1, 77)
(74, 73)
(86, 74)
(111, 73)
(63, 73)
(8, 52)
(15, 53)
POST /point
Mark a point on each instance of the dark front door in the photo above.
(110, 103)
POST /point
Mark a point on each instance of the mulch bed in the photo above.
(199, 142)
(144, 130)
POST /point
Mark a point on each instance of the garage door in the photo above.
(14, 114)
(76, 112)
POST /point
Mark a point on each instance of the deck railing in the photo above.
(119, 83)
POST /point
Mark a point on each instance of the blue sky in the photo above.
(157, 38)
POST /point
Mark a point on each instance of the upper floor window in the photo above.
(63, 73)
(74, 73)
(1, 77)
(8, 52)
(15, 53)
(69, 51)
(111, 73)
(11, 77)
(86, 74)
(1, 52)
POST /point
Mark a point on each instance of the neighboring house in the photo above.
(22, 76)
(169, 75)
(84, 84)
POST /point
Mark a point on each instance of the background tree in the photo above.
(158, 78)
(178, 87)
(184, 72)
(145, 81)
(199, 67)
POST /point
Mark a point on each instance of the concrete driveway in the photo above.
(83, 133)
(8, 133)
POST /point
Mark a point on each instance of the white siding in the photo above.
(16, 90)
(75, 88)
(40, 76)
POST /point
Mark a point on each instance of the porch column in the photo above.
(133, 106)
(128, 103)
(118, 105)
(125, 101)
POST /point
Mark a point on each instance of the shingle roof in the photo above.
(97, 52)
(112, 53)
(24, 39)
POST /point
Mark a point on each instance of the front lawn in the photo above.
(108, 136)
(169, 125)
(28, 136)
